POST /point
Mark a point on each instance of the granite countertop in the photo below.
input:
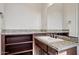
(19, 31)
(57, 44)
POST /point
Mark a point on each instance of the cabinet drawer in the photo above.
(41, 45)
(17, 38)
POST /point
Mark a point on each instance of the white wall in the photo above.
(78, 29)
(1, 7)
(78, 22)
(1, 10)
(70, 14)
(44, 9)
(55, 16)
(22, 16)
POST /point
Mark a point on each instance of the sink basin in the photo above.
(48, 39)
(44, 37)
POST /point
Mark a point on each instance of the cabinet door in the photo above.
(41, 45)
(52, 51)
(72, 51)
(39, 51)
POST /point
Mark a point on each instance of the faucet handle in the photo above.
(48, 34)
(52, 35)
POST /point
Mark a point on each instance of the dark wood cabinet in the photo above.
(18, 44)
(22, 44)
(25, 53)
(72, 51)
(42, 47)
(51, 51)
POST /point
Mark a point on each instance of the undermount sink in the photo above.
(49, 39)
(44, 37)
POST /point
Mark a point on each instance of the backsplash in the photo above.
(69, 38)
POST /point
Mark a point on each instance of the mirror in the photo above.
(55, 16)
(62, 16)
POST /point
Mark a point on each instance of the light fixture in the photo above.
(50, 4)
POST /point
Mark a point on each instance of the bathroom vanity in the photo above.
(55, 46)
(24, 42)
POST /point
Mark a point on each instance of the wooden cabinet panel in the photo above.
(17, 38)
(18, 44)
(72, 51)
(41, 45)
(17, 48)
(52, 51)
(26, 53)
